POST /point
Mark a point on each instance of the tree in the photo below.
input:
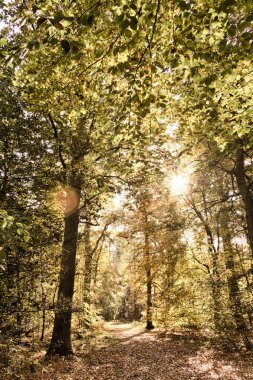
(22, 202)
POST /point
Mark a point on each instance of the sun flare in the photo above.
(179, 183)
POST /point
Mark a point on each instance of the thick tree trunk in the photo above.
(245, 194)
(233, 287)
(61, 337)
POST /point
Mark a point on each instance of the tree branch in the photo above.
(56, 136)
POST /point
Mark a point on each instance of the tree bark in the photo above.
(87, 265)
(61, 337)
(43, 302)
(86, 320)
(246, 195)
(149, 325)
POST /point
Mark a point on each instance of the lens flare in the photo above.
(65, 200)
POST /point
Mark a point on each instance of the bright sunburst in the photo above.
(179, 183)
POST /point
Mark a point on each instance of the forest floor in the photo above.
(128, 352)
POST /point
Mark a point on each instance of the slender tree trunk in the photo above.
(87, 266)
(18, 287)
(43, 299)
(216, 290)
(61, 337)
(246, 195)
(96, 266)
(215, 275)
(136, 308)
(233, 287)
(86, 320)
(149, 324)
(215, 279)
(245, 275)
(13, 284)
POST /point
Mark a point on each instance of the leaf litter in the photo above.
(127, 352)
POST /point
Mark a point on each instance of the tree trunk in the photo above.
(44, 300)
(233, 287)
(96, 266)
(215, 275)
(245, 194)
(215, 279)
(87, 266)
(61, 337)
(86, 320)
(216, 290)
(149, 324)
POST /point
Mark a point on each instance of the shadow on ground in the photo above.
(165, 356)
(130, 353)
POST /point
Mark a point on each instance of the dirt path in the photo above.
(137, 354)
(125, 352)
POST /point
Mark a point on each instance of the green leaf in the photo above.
(65, 45)
(3, 41)
(83, 20)
(65, 23)
(226, 5)
(58, 16)
(56, 24)
(98, 53)
(153, 68)
(133, 23)
(124, 25)
(232, 31)
(211, 41)
(86, 20)
(32, 44)
(41, 20)
(35, 8)
(121, 17)
(4, 225)
(183, 5)
(249, 18)
(133, 6)
(27, 237)
(128, 33)
(90, 20)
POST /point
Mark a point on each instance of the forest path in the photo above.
(127, 352)
(122, 330)
(134, 353)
